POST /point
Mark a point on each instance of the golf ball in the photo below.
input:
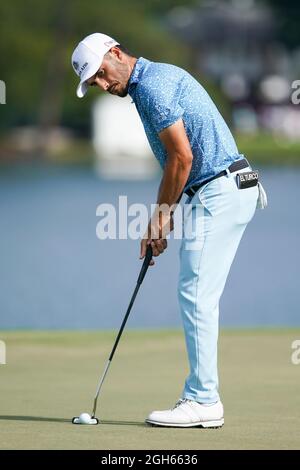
(84, 418)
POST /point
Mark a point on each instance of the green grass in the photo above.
(264, 149)
(51, 377)
(261, 148)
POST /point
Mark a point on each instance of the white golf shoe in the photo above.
(189, 413)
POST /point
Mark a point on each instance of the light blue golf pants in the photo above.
(214, 221)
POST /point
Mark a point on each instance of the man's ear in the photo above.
(116, 52)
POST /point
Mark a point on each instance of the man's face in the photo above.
(114, 73)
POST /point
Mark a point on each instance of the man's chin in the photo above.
(123, 93)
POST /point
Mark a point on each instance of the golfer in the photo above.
(199, 157)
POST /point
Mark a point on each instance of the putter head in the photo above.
(84, 418)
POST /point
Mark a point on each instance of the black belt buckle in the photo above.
(247, 179)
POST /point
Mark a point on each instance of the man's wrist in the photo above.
(159, 228)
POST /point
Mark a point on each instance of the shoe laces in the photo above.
(180, 401)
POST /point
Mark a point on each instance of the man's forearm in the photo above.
(176, 173)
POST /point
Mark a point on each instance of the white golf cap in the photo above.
(88, 56)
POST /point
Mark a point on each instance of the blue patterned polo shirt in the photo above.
(164, 93)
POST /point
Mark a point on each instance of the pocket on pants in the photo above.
(247, 204)
(209, 196)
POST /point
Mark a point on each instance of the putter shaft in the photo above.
(99, 387)
(144, 268)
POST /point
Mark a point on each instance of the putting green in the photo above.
(51, 377)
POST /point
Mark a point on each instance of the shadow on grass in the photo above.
(64, 420)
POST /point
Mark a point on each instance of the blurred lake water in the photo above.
(56, 274)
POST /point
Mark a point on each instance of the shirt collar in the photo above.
(138, 69)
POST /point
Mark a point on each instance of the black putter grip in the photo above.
(145, 266)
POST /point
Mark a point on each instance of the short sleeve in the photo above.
(162, 105)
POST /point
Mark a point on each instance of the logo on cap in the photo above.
(82, 68)
(75, 65)
(109, 43)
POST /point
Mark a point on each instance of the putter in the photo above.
(85, 418)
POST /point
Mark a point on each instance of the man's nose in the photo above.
(101, 83)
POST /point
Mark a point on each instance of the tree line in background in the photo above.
(37, 40)
(38, 37)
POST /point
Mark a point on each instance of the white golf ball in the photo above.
(84, 418)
